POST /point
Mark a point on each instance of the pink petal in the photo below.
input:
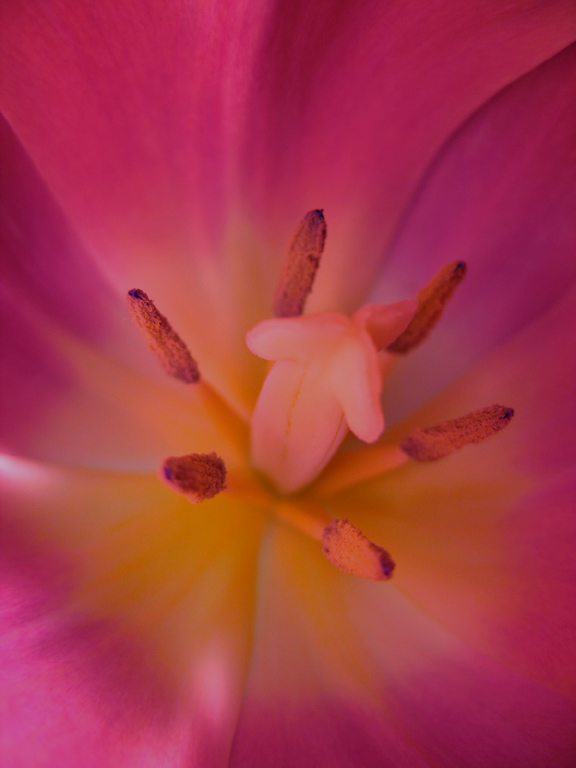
(353, 99)
(502, 197)
(78, 384)
(484, 539)
(64, 400)
(158, 126)
(122, 110)
(73, 691)
(135, 561)
(307, 697)
(127, 113)
(44, 265)
(346, 673)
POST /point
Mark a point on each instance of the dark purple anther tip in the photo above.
(167, 473)
(135, 293)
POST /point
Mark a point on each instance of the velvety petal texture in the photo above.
(344, 673)
(172, 147)
(75, 690)
(70, 355)
(352, 100)
(142, 567)
(250, 114)
(502, 197)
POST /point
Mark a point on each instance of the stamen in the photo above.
(349, 468)
(243, 485)
(343, 545)
(162, 339)
(443, 439)
(346, 547)
(431, 302)
(198, 476)
(299, 268)
(305, 515)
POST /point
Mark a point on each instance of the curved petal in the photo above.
(77, 382)
(63, 400)
(351, 101)
(484, 539)
(158, 125)
(73, 690)
(346, 672)
(138, 561)
(43, 263)
(502, 197)
(126, 111)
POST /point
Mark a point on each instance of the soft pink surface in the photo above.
(78, 384)
(135, 643)
(179, 138)
(353, 99)
(155, 123)
(345, 674)
(182, 145)
(75, 691)
(502, 197)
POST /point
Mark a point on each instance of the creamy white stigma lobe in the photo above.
(325, 380)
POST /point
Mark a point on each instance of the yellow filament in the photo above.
(306, 516)
(348, 469)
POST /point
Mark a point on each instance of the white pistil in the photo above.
(326, 380)
(433, 443)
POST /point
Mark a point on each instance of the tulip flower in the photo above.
(275, 510)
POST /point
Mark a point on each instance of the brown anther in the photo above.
(431, 302)
(346, 547)
(162, 339)
(300, 266)
(198, 476)
(441, 440)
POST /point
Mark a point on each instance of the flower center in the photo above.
(326, 379)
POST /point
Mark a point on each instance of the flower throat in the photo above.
(325, 381)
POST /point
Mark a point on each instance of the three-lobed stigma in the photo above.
(326, 380)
